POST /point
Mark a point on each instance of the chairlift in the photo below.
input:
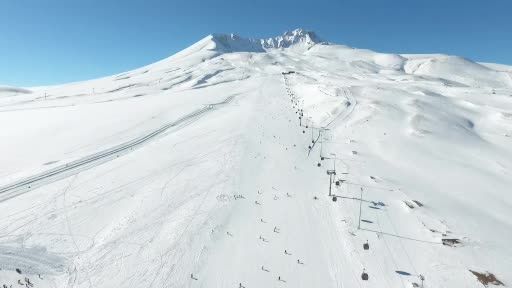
(364, 276)
(366, 246)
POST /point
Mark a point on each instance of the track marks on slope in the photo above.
(24, 185)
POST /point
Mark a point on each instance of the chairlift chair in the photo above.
(364, 276)
(366, 246)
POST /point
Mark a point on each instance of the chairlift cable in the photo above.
(389, 251)
(401, 243)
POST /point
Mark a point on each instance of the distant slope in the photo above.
(6, 91)
(457, 69)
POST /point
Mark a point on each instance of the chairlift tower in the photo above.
(331, 173)
(309, 120)
(360, 207)
(320, 137)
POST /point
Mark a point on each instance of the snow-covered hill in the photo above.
(210, 169)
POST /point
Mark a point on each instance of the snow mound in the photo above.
(390, 61)
(457, 69)
(13, 90)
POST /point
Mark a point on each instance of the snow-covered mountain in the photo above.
(233, 43)
(213, 168)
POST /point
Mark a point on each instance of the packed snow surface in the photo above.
(196, 171)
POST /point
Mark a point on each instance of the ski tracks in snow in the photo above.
(65, 170)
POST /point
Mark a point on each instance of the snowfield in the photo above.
(196, 171)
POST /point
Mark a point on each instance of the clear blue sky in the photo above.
(58, 41)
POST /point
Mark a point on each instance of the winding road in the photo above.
(65, 170)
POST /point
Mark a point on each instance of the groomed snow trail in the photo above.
(278, 183)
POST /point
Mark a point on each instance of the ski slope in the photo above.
(196, 171)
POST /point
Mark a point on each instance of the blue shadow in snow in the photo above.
(403, 273)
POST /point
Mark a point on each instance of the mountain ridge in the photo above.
(235, 43)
